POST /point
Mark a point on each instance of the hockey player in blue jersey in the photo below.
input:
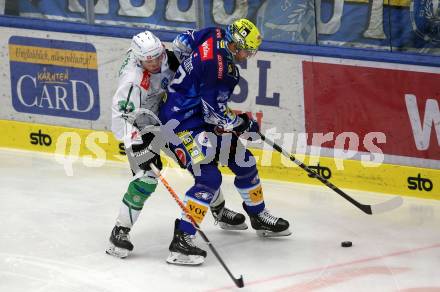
(198, 99)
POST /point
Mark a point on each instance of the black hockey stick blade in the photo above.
(389, 205)
(237, 281)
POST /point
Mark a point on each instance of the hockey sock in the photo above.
(249, 187)
(248, 183)
(217, 200)
(133, 201)
(198, 197)
(197, 201)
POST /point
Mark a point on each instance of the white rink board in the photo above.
(287, 117)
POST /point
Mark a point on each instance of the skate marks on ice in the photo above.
(32, 273)
(328, 276)
(45, 260)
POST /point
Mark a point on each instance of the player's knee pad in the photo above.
(139, 191)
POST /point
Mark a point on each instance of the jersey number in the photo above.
(177, 80)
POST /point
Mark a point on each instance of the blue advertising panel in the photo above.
(174, 15)
(54, 78)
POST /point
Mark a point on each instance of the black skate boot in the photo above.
(228, 219)
(120, 245)
(182, 249)
(267, 225)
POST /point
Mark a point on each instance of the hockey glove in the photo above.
(247, 125)
(144, 153)
(181, 47)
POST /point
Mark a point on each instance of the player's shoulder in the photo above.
(215, 32)
(211, 47)
(132, 76)
(217, 64)
(130, 69)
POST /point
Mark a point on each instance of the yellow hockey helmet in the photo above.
(244, 34)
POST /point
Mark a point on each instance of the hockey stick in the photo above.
(238, 281)
(391, 204)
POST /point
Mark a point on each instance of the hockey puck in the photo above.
(346, 243)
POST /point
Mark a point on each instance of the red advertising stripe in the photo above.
(404, 105)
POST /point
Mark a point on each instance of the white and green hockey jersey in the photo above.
(139, 89)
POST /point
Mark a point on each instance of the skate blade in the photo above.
(267, 233)
(117, 251)
(226, 226)
(176, 258)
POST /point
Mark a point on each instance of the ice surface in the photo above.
(55, 228)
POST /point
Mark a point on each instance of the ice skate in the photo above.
(120, 245)
(267, 225)
(228, 219)
(182, 249)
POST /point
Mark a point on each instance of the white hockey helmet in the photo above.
(146, 46)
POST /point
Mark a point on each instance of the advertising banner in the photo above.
(402, 25)
(74, 146)
(395, 110)
(395, 25)
(171, 15)
(51, 77)
(71, 83)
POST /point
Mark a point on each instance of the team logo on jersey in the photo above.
(126, 106)
(425, 19)
(204, 196)
(219, 67)
(145, 82)
(206, 50)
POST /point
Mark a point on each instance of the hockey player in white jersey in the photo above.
(146, 71)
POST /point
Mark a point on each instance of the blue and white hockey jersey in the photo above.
(203, 83)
